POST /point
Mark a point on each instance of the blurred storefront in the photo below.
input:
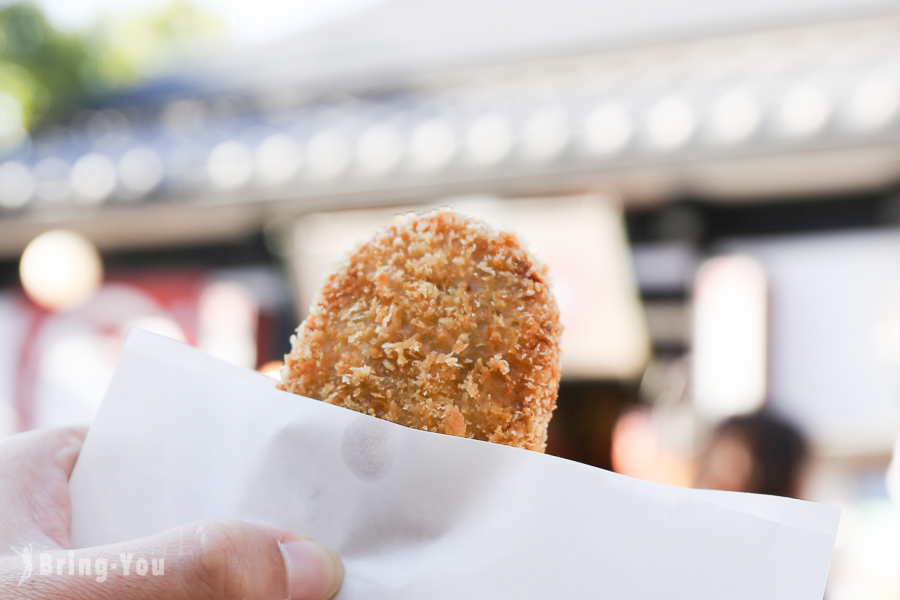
(714, 187)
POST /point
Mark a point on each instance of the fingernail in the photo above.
(314, 571)
(67, 454)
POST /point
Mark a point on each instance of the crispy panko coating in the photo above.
(438, 323)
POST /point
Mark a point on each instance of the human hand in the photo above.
(209, 560)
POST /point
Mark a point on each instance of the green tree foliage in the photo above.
(40, 68)
(43, 70)
(128, 47)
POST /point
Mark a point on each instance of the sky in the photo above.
(248, 22)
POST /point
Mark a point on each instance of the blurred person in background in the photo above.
(757, 453)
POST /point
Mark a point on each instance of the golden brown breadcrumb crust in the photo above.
(438, 323)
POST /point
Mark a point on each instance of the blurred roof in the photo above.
(419, 99)
(403, 40)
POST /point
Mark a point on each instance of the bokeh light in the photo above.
(328, 154)
(730, 333)
(141, 170)
(16, 184)
(278, 158)
(736, 117)
(93, 178)
(805, 111)
(60, 270)
(433, 145)
(379, 150)
(272, 369)
(489, 140)
(608, 129)
(230, 165)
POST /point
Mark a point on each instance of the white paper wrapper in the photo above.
(182, 436)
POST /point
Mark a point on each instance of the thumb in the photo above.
(209, 560)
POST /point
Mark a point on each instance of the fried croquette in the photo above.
(438, 323)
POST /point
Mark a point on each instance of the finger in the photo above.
(34, 490)
(210, 560)
(68, 454)
(58, 448)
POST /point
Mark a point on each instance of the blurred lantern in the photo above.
(16, 184)
(278, 158)
(380, 150)
(60, 270)
(736, 117)
(230, 165)
(730, 322)
(875, 103)
(670, 124)
(328, 154)
(489, 140)
(433, 145)
(546, 135)
(93, 177)
(804, 112)
(140, 170)
(607, 129)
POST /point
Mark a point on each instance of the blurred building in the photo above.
(631, 142)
